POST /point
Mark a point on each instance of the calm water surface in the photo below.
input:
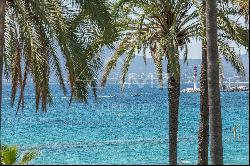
(121, 128)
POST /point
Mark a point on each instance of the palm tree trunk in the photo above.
(203, 137)
(173, 101)
(216, 149)
(2, 21)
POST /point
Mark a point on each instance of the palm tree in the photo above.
(227, 33)
(203, 136)
(162, 27)
(216, 147)
(2, 21)
(32, 32)
(10, 154)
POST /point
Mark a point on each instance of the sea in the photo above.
(120, 127)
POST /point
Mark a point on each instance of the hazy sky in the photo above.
(194, 49)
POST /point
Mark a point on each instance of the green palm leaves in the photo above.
(10, 156)
(158, 27)
(35, 29)
(229, 31)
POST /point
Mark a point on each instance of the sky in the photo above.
(194, 49)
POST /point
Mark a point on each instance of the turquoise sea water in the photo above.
(120, 128)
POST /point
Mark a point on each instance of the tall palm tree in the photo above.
(216, 147)
(162, 27)
(2, 21)
(232, 32)
(203, 136)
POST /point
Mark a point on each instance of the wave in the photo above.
(93, 143)
(183, 161)
(82, 144)
(105, 96)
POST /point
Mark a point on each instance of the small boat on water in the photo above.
(136, 95)
(190, 90)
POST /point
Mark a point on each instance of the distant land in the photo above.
(139, 67)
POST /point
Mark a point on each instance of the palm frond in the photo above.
(28, 156)
(231, 56)
(34, 32)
